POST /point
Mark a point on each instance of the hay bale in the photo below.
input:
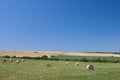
(90, 67)
(23, 60)
(77, 64)
(10, 60)
(49, 65)
(66, 63)
(18, 61)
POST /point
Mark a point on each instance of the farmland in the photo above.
(87, 58)
(41, 53)
(37, 70)
(33, 69)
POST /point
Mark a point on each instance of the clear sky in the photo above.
(60, 25)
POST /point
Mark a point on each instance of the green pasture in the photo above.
(37, 70)
(89, 58)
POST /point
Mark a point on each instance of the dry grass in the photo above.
(91, 54)
(39, 54)
(28, 53)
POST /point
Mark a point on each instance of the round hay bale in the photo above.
(90, 67)
(10, 60)
(77, 64)
(23, 60)
(18, 61)
(66, 63)
(49, 65)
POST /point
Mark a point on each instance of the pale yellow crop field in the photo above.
(41, 53)
(28, 53)
(91, 54)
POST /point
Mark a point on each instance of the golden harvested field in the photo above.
(28, 53)
(40, 53)
(91, 54)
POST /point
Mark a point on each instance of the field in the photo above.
(28, 53)
(33, 69)
(39, 53)
(37, 70)
(87, 58)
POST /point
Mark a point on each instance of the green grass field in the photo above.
(37, 70)
(90, 58)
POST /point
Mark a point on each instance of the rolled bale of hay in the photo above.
(48, 65)
(17, 61)
(10, 60)
(77, 64)
(4, 60)
(90, 67)
(23, 60)
(66, 63)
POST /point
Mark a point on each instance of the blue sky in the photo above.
(60, 25)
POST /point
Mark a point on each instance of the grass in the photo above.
(107, 58)
(37, 70)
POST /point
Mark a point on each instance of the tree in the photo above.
(44, 57)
